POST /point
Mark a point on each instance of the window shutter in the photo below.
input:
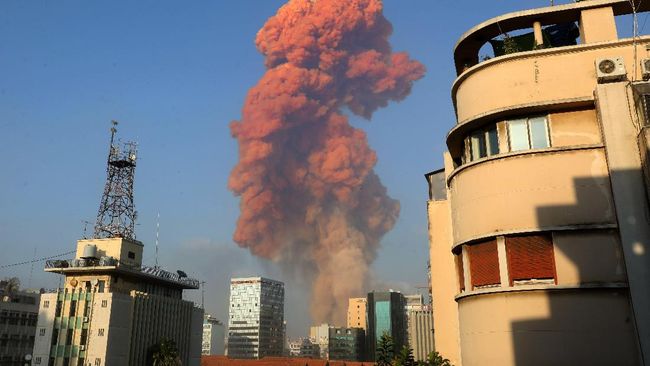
(484, 263)
(530, 257)
(461, 271)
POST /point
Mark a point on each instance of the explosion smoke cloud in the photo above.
(310, 199)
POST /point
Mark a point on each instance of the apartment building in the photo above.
(214, 335)
(18, 314)
(357, 312)
(539, 231)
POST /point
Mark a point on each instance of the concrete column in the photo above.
(537, 30)
(503, 261)
(624, 163)
(597, 25)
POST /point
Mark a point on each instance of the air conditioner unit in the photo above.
(85, 319)
(610, 69)
(82, 348)
(645, 68)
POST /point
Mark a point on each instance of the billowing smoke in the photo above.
(310, 199)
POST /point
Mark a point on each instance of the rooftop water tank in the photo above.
(90, 251)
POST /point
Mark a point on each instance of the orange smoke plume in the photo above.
(310, 199)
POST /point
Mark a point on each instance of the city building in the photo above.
(320, 335)
(539, 234)
(256, 324)
(357, 312)
(304, 347)
(112, 310)
(346, 344)
(386, 315)
(213, 336)
(18, 314)
(419, 319)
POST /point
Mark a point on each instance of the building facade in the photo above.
(386, 315)
(357, 312)
(320, 334)
(256, 323)
(18, 316)
(346, 344)
(214, 334)
(539, 234)
(304, 347)
(419, 318)
(112, 310)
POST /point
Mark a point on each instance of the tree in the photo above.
(385, 351)
(405, 357)
(164, 353)
(435, 359)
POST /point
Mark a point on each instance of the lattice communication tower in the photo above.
(117, 215)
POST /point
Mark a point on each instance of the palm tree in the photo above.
(165, 353)
(435, 359)
(405, 357)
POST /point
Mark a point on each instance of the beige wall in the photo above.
(357, 312)
(532, 328)
(420, 333)
(529, 192)
(444, 284)
(574, 128)
(597, 25)
(117, 248)
(537, 77)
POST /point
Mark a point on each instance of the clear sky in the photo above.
(175, 74)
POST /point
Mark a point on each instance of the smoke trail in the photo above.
(310, 199)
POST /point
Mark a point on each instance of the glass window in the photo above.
(538, 132)
(478, 145)
(518, 133)
(493, 141)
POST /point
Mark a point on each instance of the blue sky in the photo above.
(175, 74)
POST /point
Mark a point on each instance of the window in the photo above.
(41, 332)
(46, 304)
(484, 264)
(530, 258)
(73, 307)
(57, 312)
(101, 284)
(104, 303)
(482, 143)
(461, 271)
(98, 362)
(37, 360)
(528, 133)
(100, 332)
(131, 255)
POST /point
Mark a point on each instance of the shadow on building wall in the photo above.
(589, 316)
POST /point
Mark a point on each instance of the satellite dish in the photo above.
(28, 357)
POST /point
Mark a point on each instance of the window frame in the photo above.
(484, 144)
(529, 133)
(489, 245)
(550, 261)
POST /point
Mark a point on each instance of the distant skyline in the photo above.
(175, 75)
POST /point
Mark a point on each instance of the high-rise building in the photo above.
(386, 315)
(539, 234)
(213, 336)
(357, 312)
(419, 318)
(346, 344)
(256, 323)
(112, 310)
(18, 314)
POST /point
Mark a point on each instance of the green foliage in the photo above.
(509, 45)
(385, 351)
(405, 357)
(165, 353)
(435, 359)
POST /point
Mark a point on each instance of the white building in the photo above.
(304, 347)
(213, 336)
(256, 319)
(112, 310)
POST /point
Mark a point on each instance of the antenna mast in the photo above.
(117, 215)
(157, 232)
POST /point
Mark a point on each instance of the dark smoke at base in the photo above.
(310, 200)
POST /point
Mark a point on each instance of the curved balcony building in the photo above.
(539, 222)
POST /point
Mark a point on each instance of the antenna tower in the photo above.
(117, 215)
